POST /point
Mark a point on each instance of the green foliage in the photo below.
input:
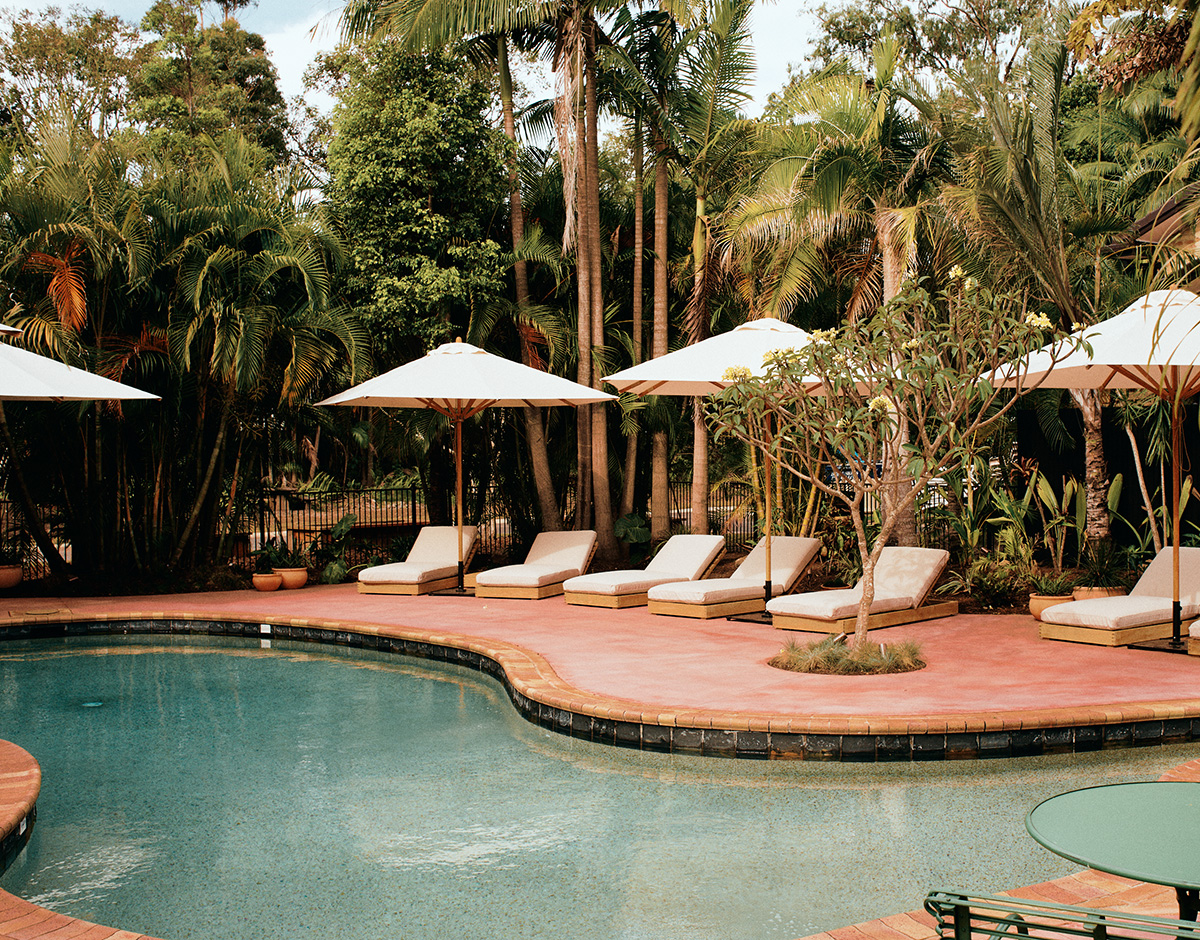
(203, 81)
(832, 656)
(993, 582)
(1051, 584)
(417, 177)
(632, 529)
(1105, 564)
(330, 554)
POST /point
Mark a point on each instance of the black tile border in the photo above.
(709, 742)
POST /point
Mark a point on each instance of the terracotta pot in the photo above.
(268, 581)
(1087, 593)
(292, 577)
(10, 576)
(1039, 602)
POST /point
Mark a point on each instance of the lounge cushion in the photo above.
(790, 555)
(1115, 613)
(524, 576)
(553, 557)
(903, 579)
(1158, 579)
(1148, 602)
(682, 558)
(405, 572)
(712, 590)
(434, 555)
(834, 605)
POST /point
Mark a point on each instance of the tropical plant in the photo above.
(832, 656)
(825, 411)
(1051, 583)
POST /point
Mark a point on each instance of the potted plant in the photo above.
(292, 564)
(263, 578)
(1048, 589)
(11, 556)
(1103, 571)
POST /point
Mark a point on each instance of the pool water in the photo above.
(200, 789)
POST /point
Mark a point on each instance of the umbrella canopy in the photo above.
(460, 380)
(26, 376)
(699, 369)
(1154, 345)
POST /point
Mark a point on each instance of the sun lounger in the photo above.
(431, 565)
(1143, 614)
(553, 558)
(682, 558)
(903, 579)
(743, 593)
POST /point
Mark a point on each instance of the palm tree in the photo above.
(855, 181)
(1038, 215)
(423, 24)
(253, 283)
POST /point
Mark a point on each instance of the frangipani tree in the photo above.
(826, 412)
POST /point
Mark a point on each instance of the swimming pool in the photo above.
(201, 787)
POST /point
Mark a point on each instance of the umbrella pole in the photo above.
(1176, 611)
(768, 470)
(458, 495)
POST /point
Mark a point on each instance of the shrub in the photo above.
(833, 656)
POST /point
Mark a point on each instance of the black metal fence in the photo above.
(388, 518)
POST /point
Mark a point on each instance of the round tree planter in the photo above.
(1089, 593)
(292, 577)
(1039, 602)
(267, 581)
(10, 576)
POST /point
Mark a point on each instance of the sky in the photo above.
(296, 30)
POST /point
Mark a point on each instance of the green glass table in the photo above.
(1146, 831)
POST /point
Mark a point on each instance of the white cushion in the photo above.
(615, 583)
(907, 573)
(438, 544)
(685, 557)
(524, 576)
(712, 590)
(567, 549)
(1115, 613)
(1158, 579)
(834, 605)
(404, 572)
(790, 555)
(433, 555)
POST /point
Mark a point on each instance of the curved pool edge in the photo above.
(542, 697)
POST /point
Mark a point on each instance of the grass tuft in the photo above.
(835, 657)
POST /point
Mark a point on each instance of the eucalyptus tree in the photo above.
(434, 24)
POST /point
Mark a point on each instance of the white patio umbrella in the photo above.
(1154, 344)
(699, 370)
(460, 380)
(26, 376)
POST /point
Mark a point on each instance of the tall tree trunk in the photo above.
(894, 268)
(698, 323)
(660, 485)
(29, 511)
(629, 478)
(535, 431)
(583, 316)
(606, 541)
(1095, 466)
(210, 473)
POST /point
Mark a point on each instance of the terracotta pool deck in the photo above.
(984, 673)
